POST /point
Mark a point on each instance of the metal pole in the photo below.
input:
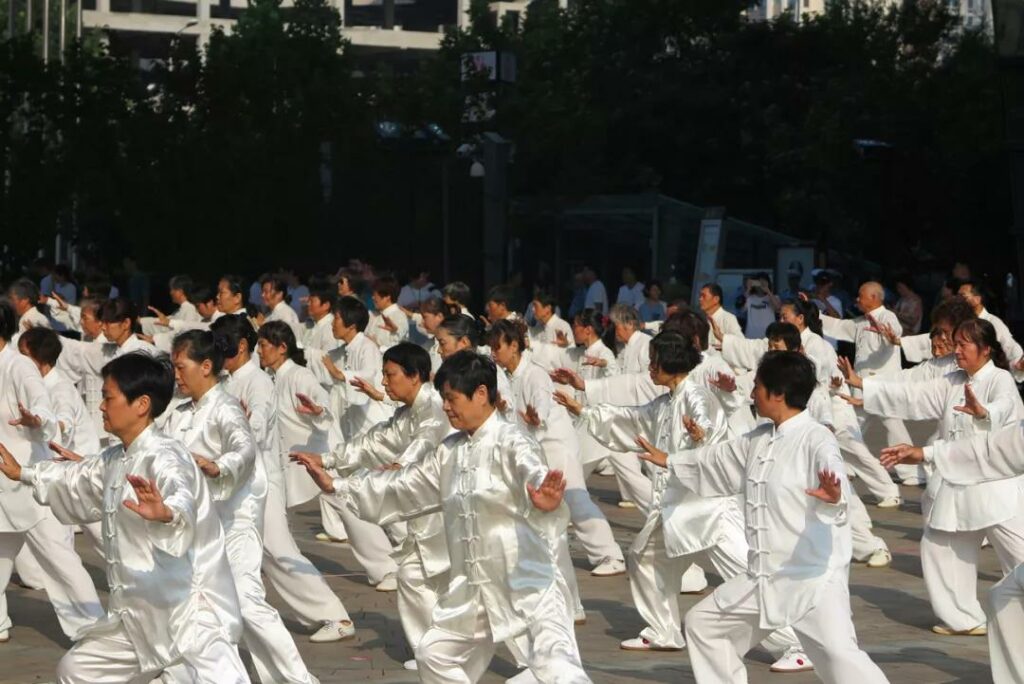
(445, 222)
(28, 16)
(10, 19)
(46, 31)
(63, 28)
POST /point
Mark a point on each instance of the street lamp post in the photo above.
(1008, 25)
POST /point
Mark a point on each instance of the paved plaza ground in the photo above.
(890, 609)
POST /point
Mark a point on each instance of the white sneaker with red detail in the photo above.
(793, 660)
(334, 630)
(641, 644)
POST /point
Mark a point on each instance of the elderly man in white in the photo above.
(719, 319)
(874, 355)
(791, 476)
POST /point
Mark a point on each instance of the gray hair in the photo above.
(23, 288)
(625, 314)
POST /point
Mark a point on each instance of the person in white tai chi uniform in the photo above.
(172, 599)
(795, 491)
(293, 576)
(502, 509)
(983, 458)
(680, 523)
(408, 437)
(214, 429)
(980, 397)
(27, 422)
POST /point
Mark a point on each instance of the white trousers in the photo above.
(550, 647)
(299, 583)
(718, 639)
(67, 584)
(633, 484)
(370, 544)
(417, 596)
(949, 563)
(655, 579)
(272, 648)
(110, 657)
(570, 587)
(589, 523)
(864, 542)
(28, 568)
(865, 464)
(1005, 627)
(331, 520)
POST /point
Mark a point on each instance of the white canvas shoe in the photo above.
(609, 567)
(389, 583)
(334, 630)
(880, 558)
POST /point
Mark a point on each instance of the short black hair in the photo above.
(954, 311)
(976, 288)
(788, 374)
(98, 288)
(413, 359)
(326, 295)
(42, 344)
(181, 282)
(8, 320)
(715, 289)
(354, 278)
(499, 295)
(545, 298)
(203, 345)
(352, 312)
(139, 374)
(458, 291)
(689, 324)
(117, 310)
(202, 294)
(673, 353)
(460, 326)
(235, 283)
(386, 286)
(508, 332)
(234, 328)
(787, 333)
(279, 333)
(277, 284)
(466, 370)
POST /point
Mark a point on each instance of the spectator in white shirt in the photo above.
(632, 291)
(389, 325)
(596, 297)
(350, 283)
(275, 301)
(417, 291)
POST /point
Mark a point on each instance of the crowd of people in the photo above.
(452, 451)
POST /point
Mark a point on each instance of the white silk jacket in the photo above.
(160, 574)
(690, 520)
(501, 546)
(408, 437)
(215, 427)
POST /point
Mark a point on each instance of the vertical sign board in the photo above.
(706, 268)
